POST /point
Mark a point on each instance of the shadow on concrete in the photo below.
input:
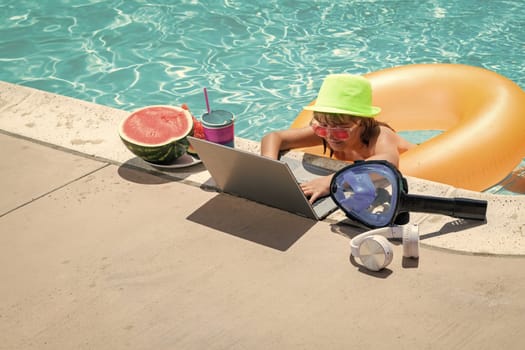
(348, 228)
(453, 226)
(133, 174)
(383, 273)
(138, 171)
(254, 222)
(410, 263)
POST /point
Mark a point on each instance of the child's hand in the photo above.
(317, 188)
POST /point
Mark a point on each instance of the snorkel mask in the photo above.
(375, 194)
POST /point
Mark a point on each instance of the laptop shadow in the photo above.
(258, 223)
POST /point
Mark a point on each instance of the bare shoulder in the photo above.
(388, 137)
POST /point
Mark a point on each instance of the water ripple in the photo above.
(263, 60)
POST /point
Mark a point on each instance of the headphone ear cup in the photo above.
(375, 252)
(411, 242)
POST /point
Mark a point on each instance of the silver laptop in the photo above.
(260, 179)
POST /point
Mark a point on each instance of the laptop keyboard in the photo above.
(324, 200)
(305, 172)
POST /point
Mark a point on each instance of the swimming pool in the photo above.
(263, 60)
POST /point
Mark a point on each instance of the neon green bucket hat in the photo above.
(345, 94)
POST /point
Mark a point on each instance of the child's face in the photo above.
(336, 129)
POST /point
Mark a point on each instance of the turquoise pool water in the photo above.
(262, 60)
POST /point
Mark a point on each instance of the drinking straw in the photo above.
(207, 102)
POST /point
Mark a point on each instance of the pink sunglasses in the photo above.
(340, 133)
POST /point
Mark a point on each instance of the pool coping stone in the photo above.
(90, 130)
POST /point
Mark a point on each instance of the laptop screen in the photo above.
(251, 176)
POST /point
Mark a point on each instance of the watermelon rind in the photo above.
(161, 153)
(192, 152)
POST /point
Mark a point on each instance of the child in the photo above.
(342, 121)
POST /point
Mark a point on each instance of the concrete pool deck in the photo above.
(100, 250)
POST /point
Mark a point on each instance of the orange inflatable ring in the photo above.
(481, 113)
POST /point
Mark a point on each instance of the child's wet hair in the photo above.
(335, 118)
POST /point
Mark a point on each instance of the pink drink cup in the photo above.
(219, 127)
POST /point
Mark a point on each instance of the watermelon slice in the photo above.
(157, 134)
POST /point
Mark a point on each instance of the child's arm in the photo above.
(274, 142)
(386, 148)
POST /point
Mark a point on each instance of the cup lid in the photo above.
(217, 118)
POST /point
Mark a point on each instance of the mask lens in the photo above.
(366, 193)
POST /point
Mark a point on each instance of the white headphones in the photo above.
(374, 250)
